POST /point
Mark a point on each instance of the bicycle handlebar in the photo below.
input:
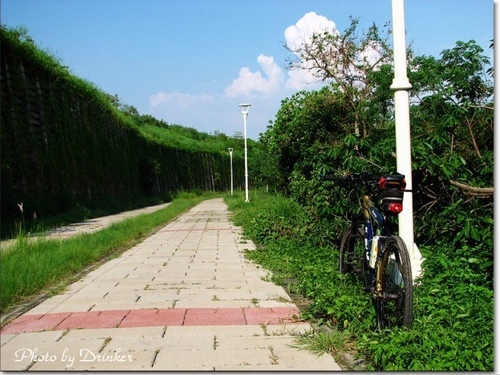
(361, 177)
(391, 181)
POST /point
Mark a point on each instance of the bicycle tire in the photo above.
(395, 306)
(352, 253)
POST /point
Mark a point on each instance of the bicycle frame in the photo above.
(370, 248)
(370, 216)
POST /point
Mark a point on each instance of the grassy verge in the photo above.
(32, 267)
(307, 270)
(453, 309)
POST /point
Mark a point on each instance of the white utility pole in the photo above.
(401, 85)
(244, 111)
(231, 166)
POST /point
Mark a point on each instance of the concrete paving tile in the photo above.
(116, 333)
(170, 289)
(13, 359)
(270, 302)
(5, 338)
(270, 315)
(16, 356)
(37, 354)
(225, 284)
(266, 292)
(202, 267)
(197, 262)
(195, 343)
(85, 304)
(63, 356)
(188, 304)
(230, 294)
(241, 359)
(158, 295)
(274, 357)
(197, 295)
(194, 282)
(244, 342)
(117, 361)
(119, 305)
(97, 304)
(303, 360)
(287, 329)
(128, 283)
(137, 344)
(161, 305)
(190, 332)
(31, 338)
(47, 305)
(95, 289)
(170, 360)
(175, 275)
(230, 289)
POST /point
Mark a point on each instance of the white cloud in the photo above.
(178, 99)
(267, 86)
(248, 81)
(371, 54)
(274, 81)
(301, 33)
(310, 24)
(298, 34)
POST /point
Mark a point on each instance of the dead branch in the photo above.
(474, 191)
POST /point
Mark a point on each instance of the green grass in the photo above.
(452, 326)
(29, 268)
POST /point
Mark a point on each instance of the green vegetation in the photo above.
(453, 316)
(31, 267)
(70, 150)
(348, 126)
(345, 128)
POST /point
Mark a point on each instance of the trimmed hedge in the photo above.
(64, 143)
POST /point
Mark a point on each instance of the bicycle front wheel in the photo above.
(395, 302)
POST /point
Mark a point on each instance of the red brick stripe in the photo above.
(151, 317)
(194, 229)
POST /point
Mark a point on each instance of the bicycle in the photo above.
(369, 248)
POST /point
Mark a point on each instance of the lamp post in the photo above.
(401, 85)
(244, 111)
(231, 164)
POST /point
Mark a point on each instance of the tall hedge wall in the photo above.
(62, 141)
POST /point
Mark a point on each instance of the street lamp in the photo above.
(401, 85)
(244, 111)
(231, 164)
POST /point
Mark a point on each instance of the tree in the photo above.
(305, 124)
(349, 61)
(452, 137)
(453, 99)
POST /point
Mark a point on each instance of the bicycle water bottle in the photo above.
(374, 252)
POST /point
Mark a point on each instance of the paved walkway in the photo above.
(184, 299)
(88, 226)
(93, 225)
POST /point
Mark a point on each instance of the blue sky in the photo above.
(191, 62)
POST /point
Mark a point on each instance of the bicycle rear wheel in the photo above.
(395, 305)
(352, 253)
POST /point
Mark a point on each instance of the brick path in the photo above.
(184, 299)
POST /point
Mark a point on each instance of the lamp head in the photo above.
(244, 108)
